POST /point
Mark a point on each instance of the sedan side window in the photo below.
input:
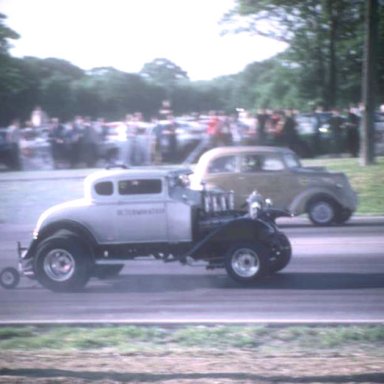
(292, 161)
(225, 164)
(272, 163)
(250, 163)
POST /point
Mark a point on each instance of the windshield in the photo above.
(292, 161)
(179, 180)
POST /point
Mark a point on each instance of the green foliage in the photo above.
(333, 337)
(6, 33)
(323, 65)
(263, 338)
(14, 333)
(325, 44)
(380, 54)
(163, 72)
(221, 336)
(64, 90)
(259, 83)
(10, 79)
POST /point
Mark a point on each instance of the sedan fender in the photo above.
(299, 204)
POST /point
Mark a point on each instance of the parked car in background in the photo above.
(314, 130)
(189, 135)
(327, 197)
(176, 140)
(9, 156)
(35, 149)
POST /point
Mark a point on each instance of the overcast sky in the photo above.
(126, 34)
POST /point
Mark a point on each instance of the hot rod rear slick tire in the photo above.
(9, 278)
(62, 264)
(281, 260)
(246, 262)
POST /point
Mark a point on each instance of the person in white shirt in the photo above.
(13, 138)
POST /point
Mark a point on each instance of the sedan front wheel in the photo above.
(322, 211)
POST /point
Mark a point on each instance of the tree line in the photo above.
(322, 66)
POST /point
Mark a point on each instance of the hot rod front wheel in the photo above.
(246, 262)
(62, 264)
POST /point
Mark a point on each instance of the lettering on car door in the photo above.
(141, 212)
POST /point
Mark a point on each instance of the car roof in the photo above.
(235, 150)
(139, 173)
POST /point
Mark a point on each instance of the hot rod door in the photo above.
(141, 213)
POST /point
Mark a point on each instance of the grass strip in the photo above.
(266, 339)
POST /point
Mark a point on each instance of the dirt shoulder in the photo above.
(187, 367)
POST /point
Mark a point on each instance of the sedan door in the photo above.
(223, 173)
(267, 174)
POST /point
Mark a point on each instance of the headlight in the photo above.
(254, 210)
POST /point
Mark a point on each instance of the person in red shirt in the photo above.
(213, 129)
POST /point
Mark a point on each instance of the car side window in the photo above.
(225, 164)
(104, 188)
(250, 163)
(272, 163)
(140, 187)
(292, 161)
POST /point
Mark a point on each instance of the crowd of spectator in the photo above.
(338, 131)
(81, 140)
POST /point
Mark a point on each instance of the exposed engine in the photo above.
(217, 209)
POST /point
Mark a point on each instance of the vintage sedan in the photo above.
(327, 197)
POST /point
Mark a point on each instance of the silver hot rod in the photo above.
(130, 213)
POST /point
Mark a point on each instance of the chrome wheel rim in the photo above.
(245, 262)
(59, 265)
(322, 212)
